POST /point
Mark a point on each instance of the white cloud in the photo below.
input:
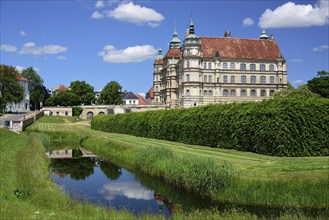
(21, 68)
(298, 82)
(136, 14)
(62, 58)
(248, 22)
(293, 15)
(31, 48)
(130, 54)
(8, 48)
(296, 60)
(97, 15)
(99, 4)
(22, 33)
(320, 48)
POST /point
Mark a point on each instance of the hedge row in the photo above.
(279, 127)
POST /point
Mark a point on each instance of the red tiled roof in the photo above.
(158, 62)
(21, 78)
(62, 88)
(150, 93)
(173, 52)
(141, 100)
(236, 48)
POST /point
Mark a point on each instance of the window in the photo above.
(253, 79)
(225, 79)
(243, 79)
(243, 92)
(262, 92)
(156, 78)
(188, 51)
(232, 66)
(204, 65)
(271, 92)
(272, 79)
(210, 93)
(253, 92)
(263, 79)
(242, 66)
(156, 88)
(271, 67)
(233, 92)
(262, 67)
(224, 65)
(252, 66)
(225, 92)
(232, 79)
(210, 79)
(188, 64)
(204, 78)
(209, 65)
(187, 77)
(205, 92)
(187, 92)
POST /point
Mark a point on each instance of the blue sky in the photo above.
(101, 41)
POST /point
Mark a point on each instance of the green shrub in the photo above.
(280, 127)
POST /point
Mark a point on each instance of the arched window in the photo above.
(253, 92)
(210, 79)
(262, 92)
(252, 66)
(204, 78)
(242, 66)
(263, 79)
(243, 79)
(243, 92)
(156, 88)
(209, 65)
(210, 93)
(204, 65)
(205, 92)
(225, 79)
(271, 67)
(232, 79)
(232, 66)
(188, 64)
(262, 67)
(253, 79)
(272, 79)
(224, 65)
(187, 77)
(225, 92)
(233, 93)
(187, 92)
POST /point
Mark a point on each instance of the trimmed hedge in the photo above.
(278, 127)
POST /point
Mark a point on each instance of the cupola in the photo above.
(263, 36)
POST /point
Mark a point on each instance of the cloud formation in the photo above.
(131, 54)
(320, 48)
(22, 33)
(247, 22)
(99, 4)
(8, 48)
(96, 15)
(33, 49)
(294, 15)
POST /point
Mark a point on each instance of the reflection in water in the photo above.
(79, 169)
(110, 170)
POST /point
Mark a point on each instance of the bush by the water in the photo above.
(289, 127)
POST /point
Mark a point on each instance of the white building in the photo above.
(24, 105)
(129, 98)
(205, 70)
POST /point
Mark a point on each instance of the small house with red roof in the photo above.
(58, 89)
(206, 70)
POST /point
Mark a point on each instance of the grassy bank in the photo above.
(258, 179)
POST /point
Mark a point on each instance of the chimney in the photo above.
(227, 34)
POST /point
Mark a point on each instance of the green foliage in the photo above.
(111, 94)
(10, 88)
(63, 98)
(34, 79)
(320, 84)
(77, 110)
(280, 127)
(84, 91)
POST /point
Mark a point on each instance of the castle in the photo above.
(206, 70)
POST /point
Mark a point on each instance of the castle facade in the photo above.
(207, 70)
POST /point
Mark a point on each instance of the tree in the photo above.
(302, 92)
(10, 88)
(320, 84)
(283, 93)
(84, 91)
(63, 98)
(111, 94)
(38, 92)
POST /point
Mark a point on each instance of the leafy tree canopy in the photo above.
(63, 98)
(34, 79)
(111, 94)
(320, 84)
(84, 91)
(10, 88)
(301, 92)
